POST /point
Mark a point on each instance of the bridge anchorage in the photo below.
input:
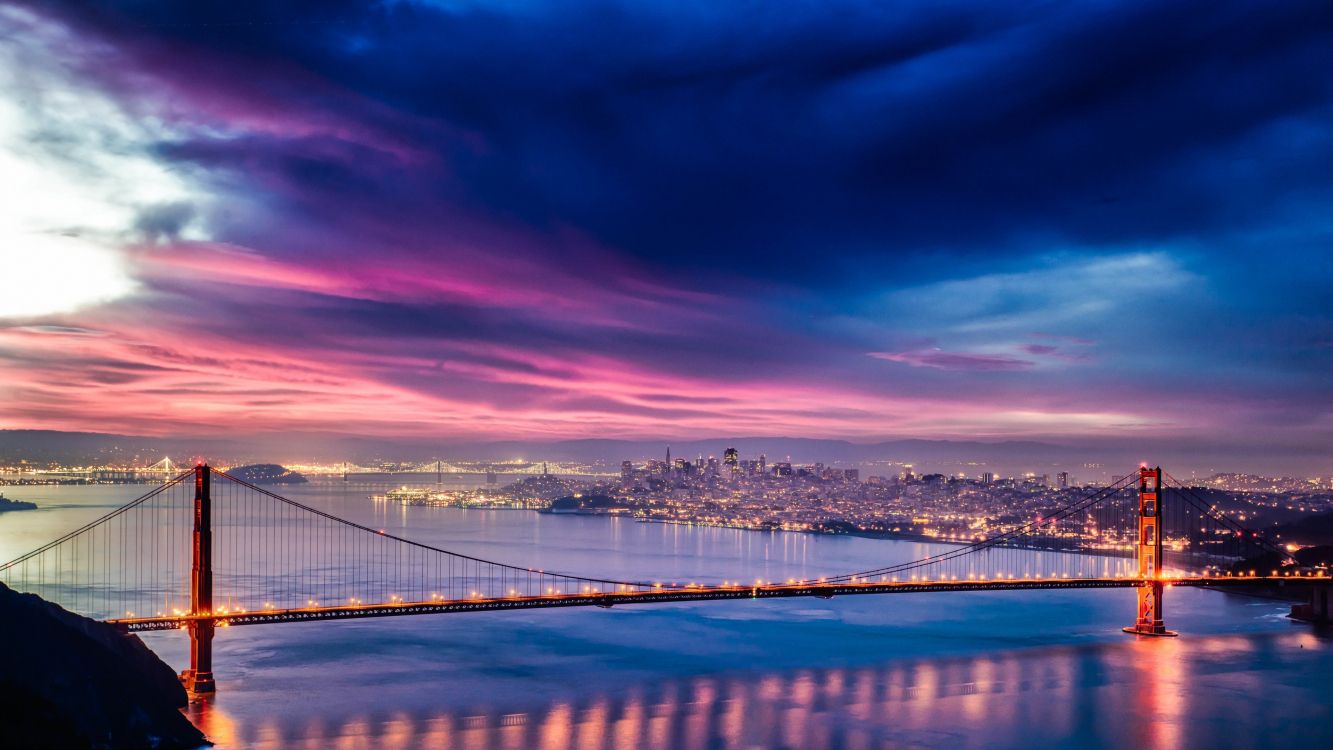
(206, 551)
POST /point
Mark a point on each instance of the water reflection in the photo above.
(1138, 693)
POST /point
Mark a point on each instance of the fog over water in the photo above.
(1002, 669)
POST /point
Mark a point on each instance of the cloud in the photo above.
(53, 330)
(868, 129)
(942, 360)
(164, 222)
(76, 168)
(602, 218)
(1060, 291)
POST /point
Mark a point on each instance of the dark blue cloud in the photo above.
(799, 141)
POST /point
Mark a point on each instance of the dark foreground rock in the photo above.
(70, 682)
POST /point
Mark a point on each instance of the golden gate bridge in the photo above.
(207, 550)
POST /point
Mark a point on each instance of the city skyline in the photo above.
(867, 224)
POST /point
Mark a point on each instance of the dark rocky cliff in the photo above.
(70, 682)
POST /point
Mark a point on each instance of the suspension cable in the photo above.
(996, 541)
(92, 524)
(421, 545)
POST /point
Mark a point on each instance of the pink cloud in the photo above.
(482, 280)
(161, 380)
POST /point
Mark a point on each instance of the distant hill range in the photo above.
(1084, 458)
(48, 445)
(801, 450)
(1311, 530)
(266, 474)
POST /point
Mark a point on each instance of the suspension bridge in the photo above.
(206, 550)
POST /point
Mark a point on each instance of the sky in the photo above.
(509, 220)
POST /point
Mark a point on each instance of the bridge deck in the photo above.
(691, 594)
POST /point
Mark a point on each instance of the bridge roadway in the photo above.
(666, 595)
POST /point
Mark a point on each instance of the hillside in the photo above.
(70, 682)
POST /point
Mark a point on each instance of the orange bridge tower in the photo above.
(199, 677)
(1151, 534)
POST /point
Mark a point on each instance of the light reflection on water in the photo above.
(1142, 694)
(1015, 669)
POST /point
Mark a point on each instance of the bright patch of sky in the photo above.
(78, 173)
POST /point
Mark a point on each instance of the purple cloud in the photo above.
(942, 360)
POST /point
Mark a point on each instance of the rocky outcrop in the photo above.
(267, 474)
(70, 682)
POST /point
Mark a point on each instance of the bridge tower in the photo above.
(1149, 619)
(199, 677)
